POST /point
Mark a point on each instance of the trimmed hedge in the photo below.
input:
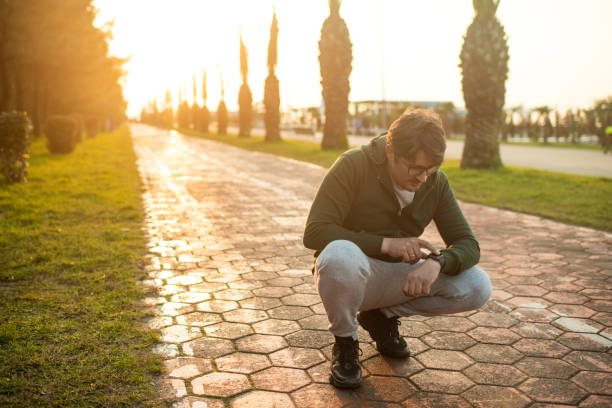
(61, 134)
(14, 139)
(92, 127)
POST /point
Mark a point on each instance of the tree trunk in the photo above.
(481, 148)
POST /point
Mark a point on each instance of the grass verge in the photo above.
(71, 251)
(578, 200)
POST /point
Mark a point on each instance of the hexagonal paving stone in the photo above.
(494, 353)
(526, 290)
(435, 400)
(541, 348)
(494, 374)
(597, 383)
(246, 284)
(546, 367)
(290, 312)
(585, 341)
(198, 319)
(262, 303)
(529, 302)
(217, 306)
(301, 299)
(310, 338)
(305, 288)
(566, 298)
(207, 287)
(322, 396)
(244, 363)
(220, 384)
(316, 322)
(280, 379)
(198, 402)
(450, 323)
(166, 350)
(435, 380)
(577, 325)
(495, 335)
(412, 328)
(540, 315)
(597, 401)
(492, 319)
(158, 322)
(273, 291)
(174, 309)
(573, 311)
(190, 297)
(296, 357)
(276, 326)
(448, 340)
(588, 360)
(245, 315)
(388, 389)
(173, 386)
(233, 294)
(179, 333)
(444, 359)
(262, 399)
(536, 330)
(208, 347)
(386, 366)
(261, 343)
(484, 396)
(318, 309)
(222, 277)
(257, 275)
(187, 367)
(184, 280)
(228, 330)
(552, 390)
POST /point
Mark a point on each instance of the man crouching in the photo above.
(365, 223)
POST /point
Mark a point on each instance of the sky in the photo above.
(402, 49)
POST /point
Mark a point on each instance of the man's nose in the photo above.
(422, 177)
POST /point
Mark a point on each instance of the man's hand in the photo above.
(409, 249)
(418, 281)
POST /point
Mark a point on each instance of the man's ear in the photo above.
(389, 151)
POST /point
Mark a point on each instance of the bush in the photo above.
(80, 126)
(14, 137)
(92, 127)
(61, 134)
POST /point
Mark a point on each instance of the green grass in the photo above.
(71, 251)
(578, 200)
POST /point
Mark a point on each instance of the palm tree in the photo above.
(222, 111)
(546, 128)
(335, 58)
(204, 120)
(271, 88)
(484, 65)
(245, 98)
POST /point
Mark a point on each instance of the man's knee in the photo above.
(480, 288)
(340, 256)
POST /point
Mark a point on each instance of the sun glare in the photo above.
(171, 41)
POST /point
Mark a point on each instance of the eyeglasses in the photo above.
(416, 171)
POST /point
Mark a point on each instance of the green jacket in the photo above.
(356, 202)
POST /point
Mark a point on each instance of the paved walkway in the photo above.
(242, 326)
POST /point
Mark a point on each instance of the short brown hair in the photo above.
(418, 130)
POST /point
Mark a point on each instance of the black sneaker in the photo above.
(384, 331)
(345, 369)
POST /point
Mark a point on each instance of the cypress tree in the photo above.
(245, 98)
(222, 111)
(271, 88)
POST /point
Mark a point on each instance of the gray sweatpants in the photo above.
(348, 281)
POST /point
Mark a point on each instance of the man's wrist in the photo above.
(439, 259)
